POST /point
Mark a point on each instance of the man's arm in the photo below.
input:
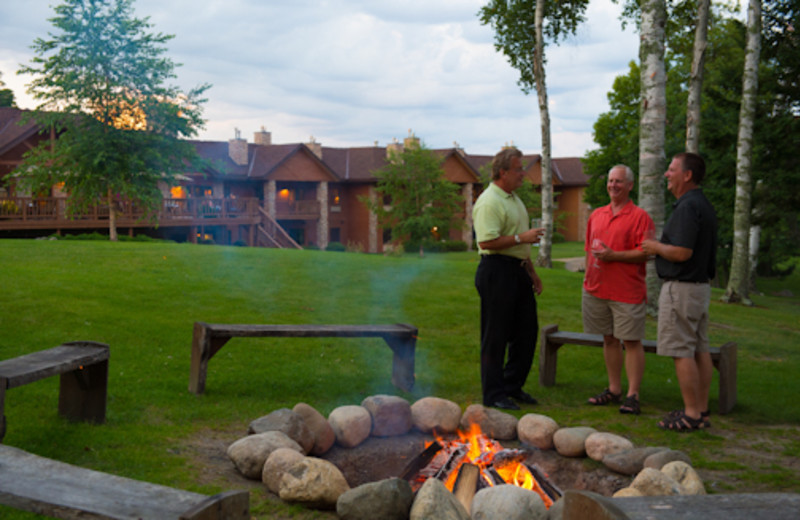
(504, 242)
(631, 256)
(666, 251)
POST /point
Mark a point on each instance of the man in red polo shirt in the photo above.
(614, 301)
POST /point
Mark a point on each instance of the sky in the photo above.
(351, 73)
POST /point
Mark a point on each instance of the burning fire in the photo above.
(496, 465)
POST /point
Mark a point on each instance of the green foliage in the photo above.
(421, 200)
(776, 139)
(335, 246)
(101, 83)
(6, 95)
(513, 23)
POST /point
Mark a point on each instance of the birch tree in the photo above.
(512, 22)
(696, 78)
(652, 126)
(739, 280)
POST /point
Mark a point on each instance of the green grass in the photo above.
(142, 299)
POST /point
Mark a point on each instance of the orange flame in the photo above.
(481, 451)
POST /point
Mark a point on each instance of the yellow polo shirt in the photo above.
(496, 214)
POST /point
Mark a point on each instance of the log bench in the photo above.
(83, 367)
(209, 338)
(582, 505)
(56, 489)
(552, 339)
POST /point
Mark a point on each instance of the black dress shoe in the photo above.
(524, 397)
(506, 404)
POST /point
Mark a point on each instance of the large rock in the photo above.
(652, 483)
(288, 422)
(436, 502)
(434, 413)
(249, 453)
(686, 476)
(494, 423)
(314, 483)
(571, 442)
(391, 415)
(627, 492)
(537, 430)
(629, 462)
(318, 425)
(507, 503)
(388, 499)
(600, 444)
(659, 459)
(276, 465)
(351, 424)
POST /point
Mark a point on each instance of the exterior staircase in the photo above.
(271, 234)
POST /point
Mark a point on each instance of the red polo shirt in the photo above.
(618, 281)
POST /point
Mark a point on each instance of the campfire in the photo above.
(473, 461)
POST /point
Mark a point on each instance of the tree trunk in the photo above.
(112, 217)
(696, 78)
(545, 245)
(652, 125)
(739, 280)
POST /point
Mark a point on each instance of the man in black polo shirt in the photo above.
(686, 260)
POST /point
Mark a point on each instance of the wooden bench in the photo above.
(83, 366)
(552, 339)
(582, 505)
(56, 489)
(208, 338)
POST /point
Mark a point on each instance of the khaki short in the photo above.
(683, 319)
(624, 321)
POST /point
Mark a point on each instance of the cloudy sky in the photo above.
(353, 72)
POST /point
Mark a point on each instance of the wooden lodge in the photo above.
(263, 194)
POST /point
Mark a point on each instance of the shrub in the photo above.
(335, 246)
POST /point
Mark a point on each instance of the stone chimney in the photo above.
(412, 141)
(395, 148)
(237, 149)
(315, 147)
(262, 137)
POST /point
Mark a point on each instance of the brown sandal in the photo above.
(630, 405)
(680, 422)
(605, 397)
(703, 415)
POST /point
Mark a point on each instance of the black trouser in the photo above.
(508, 320)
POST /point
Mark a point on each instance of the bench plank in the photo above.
(83, 367)
(49, 487)
(209, 338)
(724, 359)
(581, 505)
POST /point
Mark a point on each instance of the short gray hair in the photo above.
(628, 171)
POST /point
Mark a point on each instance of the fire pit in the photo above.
(473, 461)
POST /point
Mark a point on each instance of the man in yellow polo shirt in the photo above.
(506, 281)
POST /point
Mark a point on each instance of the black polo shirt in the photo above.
(693, 225)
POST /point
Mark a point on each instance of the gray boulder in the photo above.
(388, 499)
(391, 415)
(288, 422)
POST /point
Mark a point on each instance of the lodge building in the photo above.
(274, 195)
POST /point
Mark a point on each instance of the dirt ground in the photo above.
(754, 459)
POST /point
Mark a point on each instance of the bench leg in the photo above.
(82, 396)
(548, 357)
(727, 377)
(199, 367)
(403, 362)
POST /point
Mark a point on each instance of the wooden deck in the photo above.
(26, 213)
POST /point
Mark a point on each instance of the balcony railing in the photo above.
(298, 209)
(30, 212)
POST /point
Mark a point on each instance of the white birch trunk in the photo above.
(739, 281)
(696, 78)
(545, 246)
(652, 125)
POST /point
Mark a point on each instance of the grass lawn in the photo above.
(142, 299)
